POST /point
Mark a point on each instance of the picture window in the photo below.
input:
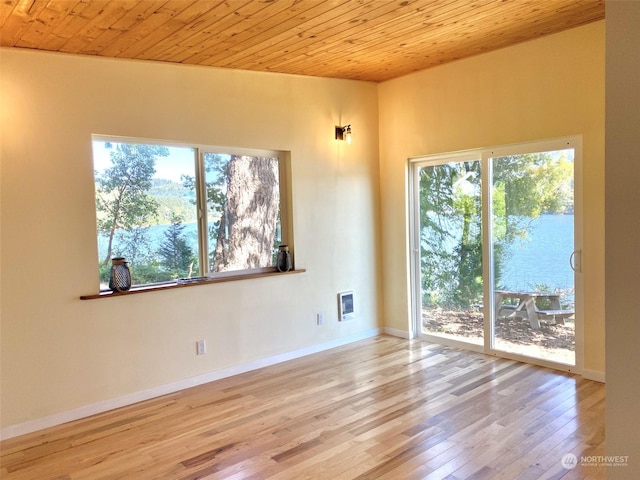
(178, 213)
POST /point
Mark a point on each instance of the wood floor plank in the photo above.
(383, 408)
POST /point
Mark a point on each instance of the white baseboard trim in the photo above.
(106, 405)
(595, 375)
(397, 333)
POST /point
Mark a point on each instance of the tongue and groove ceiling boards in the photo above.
(372, 40)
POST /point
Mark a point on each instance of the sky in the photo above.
(181, 161)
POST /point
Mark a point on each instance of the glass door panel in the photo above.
(450, 250)
(532, 242)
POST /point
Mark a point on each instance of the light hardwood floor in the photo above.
(383, 408)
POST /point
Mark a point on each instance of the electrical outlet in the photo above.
(319, 318)
(201, 347)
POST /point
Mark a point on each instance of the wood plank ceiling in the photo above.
(372, 40)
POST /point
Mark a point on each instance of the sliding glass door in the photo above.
(494, 250)
(450, 250)
(532, 244)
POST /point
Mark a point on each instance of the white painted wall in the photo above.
(546, 88)
(623, 236)
(59, 353)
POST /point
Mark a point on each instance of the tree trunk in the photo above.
(248, 224)
(109, 246)
(112, 230)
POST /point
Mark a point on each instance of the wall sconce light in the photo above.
(343, 133)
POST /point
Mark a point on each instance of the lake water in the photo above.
(543, 257)
(156, 235)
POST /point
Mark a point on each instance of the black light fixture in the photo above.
(343, 133)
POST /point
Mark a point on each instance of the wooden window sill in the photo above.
(172, 285)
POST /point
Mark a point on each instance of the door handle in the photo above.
(575, 261)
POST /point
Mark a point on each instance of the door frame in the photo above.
(484, 155)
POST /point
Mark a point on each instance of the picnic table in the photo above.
(523, 305)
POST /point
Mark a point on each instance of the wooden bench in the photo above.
(558, 316)
(526, 307)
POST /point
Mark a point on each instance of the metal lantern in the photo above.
(284, 258)
(120, 278)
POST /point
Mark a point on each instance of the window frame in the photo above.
(200, 150)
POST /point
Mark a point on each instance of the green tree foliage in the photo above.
(450, 229)
(173, 199)
(178, 258)
(525, 186)
(136, 246)
(216, 172)
(122, 199)
(216, 168)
